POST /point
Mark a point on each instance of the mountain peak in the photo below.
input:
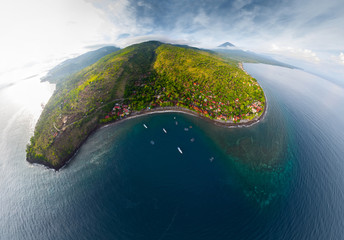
(226, 44)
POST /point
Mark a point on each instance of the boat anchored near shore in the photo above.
(181, 152)
(145, 125)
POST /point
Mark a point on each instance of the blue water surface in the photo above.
(281, 178)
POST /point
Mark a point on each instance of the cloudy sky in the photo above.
(309, 30)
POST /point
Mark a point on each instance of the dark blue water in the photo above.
(279, 179)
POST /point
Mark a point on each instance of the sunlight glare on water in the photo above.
(30, 94)
(22, 88)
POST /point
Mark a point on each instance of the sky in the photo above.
(308, 31)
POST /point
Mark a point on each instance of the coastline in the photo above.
(175, 109)
(64, 162)
(228, 124)
(241, 66)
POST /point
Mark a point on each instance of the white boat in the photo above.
(164, 130)
(145, 125)
(181, 152)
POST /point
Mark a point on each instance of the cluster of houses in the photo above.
(217, 109)
(198, 99)
(119, 110)
(206, 103)
(256, 107)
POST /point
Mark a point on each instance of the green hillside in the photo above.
(74, 65)
(141, 77)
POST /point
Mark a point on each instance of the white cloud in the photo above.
(144, 4)
(155, 37)
(298, 53)
(341, 57)
(239, 4)
(202, 19)
(32, 31)
(121, 14)
(299, 28)
(302, 24)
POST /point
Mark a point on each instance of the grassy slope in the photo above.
(210, 82)
(76, 106)
(143, 76)
(69, 67)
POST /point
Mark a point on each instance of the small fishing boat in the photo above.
(164, 130)
(181, 152)
(145, 125)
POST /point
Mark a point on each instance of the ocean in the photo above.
(281, 178)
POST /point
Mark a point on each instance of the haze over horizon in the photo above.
(305, 32)
(164, 142)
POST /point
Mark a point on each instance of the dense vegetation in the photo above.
(141, 77)
(74, 65)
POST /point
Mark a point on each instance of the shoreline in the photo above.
(175, 109)
(243, 123)
(64, 162)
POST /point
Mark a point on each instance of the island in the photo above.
(140, 79)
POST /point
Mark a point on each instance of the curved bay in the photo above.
(279, 179)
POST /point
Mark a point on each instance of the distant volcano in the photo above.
(226, 44)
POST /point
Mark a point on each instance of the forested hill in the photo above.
(74, 65)
(142, 77)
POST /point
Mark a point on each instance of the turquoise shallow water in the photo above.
(279, 179)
